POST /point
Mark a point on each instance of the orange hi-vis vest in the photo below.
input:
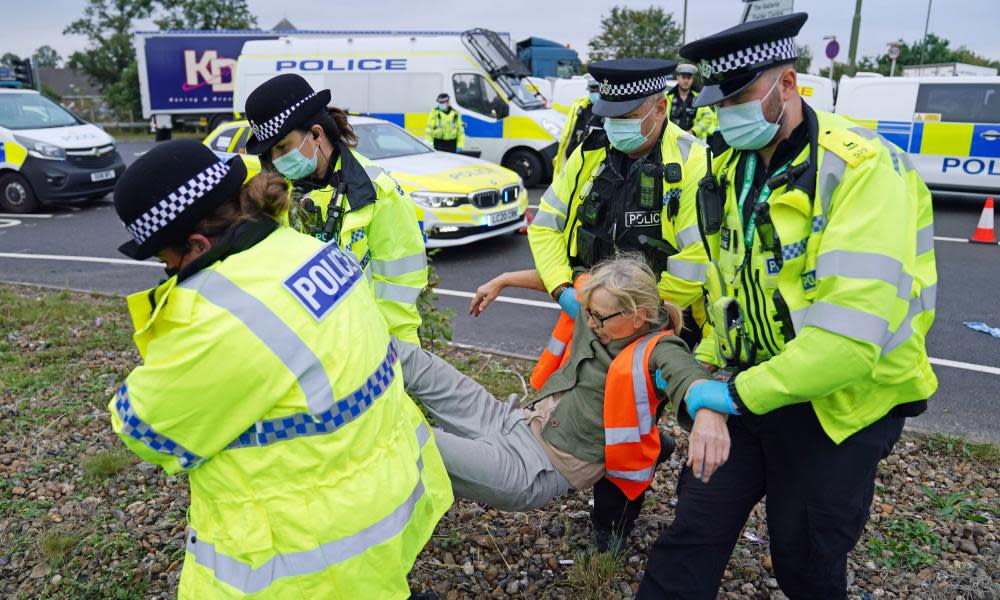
(555, 352)
(631, 438)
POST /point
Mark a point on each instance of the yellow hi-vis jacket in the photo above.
(445, 126)
(382, 228)
(571, 138)
(839, 308)
(270, 378)
(552, 235)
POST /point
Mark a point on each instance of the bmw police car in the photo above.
(463, 199)
(47, 154)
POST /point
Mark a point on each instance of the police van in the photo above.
(398, 77)
(48, 154)
(949, 126)
(816, 91)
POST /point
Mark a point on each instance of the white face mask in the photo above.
(745, 127)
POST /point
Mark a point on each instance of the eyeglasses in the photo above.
(601, 320)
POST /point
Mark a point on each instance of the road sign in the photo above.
(765, 9)
(893, 52)
(832, 49)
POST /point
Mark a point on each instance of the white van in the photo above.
(48, 154)
(949, 126)
(816, 91)
(397, 78)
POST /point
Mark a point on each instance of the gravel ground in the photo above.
(81, 518)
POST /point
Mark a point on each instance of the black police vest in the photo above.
(622, 206)
(682, 113)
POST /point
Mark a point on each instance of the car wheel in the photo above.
(527, 164)
(16, 195)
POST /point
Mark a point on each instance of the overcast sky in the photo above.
(972, 23)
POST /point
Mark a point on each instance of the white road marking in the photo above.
(19, 216)
(9, 223)
(444, 292)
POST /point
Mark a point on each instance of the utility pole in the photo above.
(927, 24)
(684, 31)
(855, 31)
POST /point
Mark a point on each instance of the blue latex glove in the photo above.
(713, 395)
(569, 303)
(660, 382)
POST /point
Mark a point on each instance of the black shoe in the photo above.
(606, 539)
(667, 446)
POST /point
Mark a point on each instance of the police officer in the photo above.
(294, 132)
(821, 290)
(269, 377)
(698, 121)
(580, 121)
(628, 186)
(445, 129)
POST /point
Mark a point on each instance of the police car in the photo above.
(48, 154)
(949, 126)
(463, 199)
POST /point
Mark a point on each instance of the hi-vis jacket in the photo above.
(839, 308)
(553, 234)
(270, 380)
(702, 121)
(579, 121)
(381, 228)
(446, 126)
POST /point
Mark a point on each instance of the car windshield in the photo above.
(33, 111)
(385, 140)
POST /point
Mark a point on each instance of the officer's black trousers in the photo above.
(446, 146)
(818, 498)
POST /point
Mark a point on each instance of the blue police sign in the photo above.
(324, 280)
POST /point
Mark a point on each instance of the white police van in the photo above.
(398, 77)
(949, 126)
(48, 154)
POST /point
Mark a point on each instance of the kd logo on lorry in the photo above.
(324, 280)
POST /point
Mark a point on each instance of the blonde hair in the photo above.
(628, 278)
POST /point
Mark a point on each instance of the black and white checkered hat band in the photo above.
(633, 89)
(778, 50)
(272, 126)
(169, 208)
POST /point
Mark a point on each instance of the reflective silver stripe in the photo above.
(925, 239)
(639, 376)
(550, 198)
(620, 435)
(798, 318)
(684, 144)
(847, 322)
(544, 218)
(272, 331)
(871, 134)
(373, 171)
(400, 266)
(687, 270)
(640, 475)
(865, 265)
(926, 301)
(555, 346)
(395, 292)
(688, 235)
(830, 173)
(249, 580)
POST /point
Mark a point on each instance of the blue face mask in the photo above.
(294, 165)
(594, 96)
(626, 134)
(745, 127)
(442, 106)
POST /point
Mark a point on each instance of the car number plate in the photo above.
(504, 216)
(102, 175)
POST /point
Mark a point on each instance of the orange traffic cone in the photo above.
(530, 216)
(985, 233)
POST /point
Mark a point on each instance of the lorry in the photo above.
(954, 69)
(397, 78)
(545, 58)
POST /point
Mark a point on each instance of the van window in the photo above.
(473, 92)
(961, 102)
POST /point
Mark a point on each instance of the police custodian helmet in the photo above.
(279, 106)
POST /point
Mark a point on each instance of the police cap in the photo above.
(731, 60)
(626, 82)
(278, 107)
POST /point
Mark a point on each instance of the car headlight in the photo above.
(439, 200)
(553, 128)
(40, 149)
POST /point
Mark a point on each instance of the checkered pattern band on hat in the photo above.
(783, 49)
(633, 89)
(168, 209)
(272, 126)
